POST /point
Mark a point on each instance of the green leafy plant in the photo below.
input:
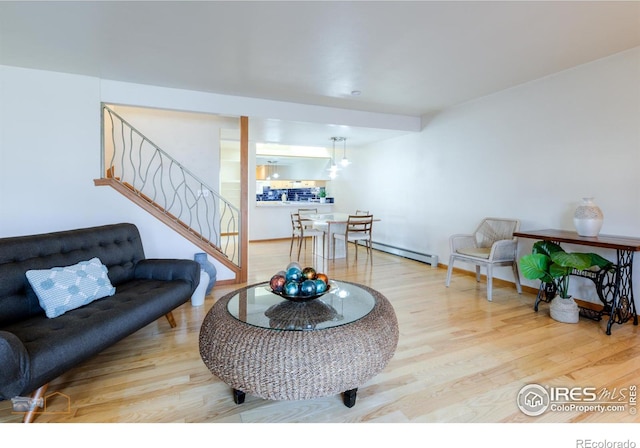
(322, 193)
(549, 263)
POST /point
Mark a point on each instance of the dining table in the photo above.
(330, 223)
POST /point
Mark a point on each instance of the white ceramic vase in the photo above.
(564, 310)
(588, 218)
(197, 299)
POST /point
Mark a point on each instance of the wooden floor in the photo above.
(460, 358)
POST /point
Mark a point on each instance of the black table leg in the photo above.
(238, 396)
(546, 293)
(623, 306)
(349, 397)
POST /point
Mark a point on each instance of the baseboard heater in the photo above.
(407, 253)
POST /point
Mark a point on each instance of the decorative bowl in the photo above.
(298, 297)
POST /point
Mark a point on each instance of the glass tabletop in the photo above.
(343, 304)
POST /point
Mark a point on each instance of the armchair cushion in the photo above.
(478, 252)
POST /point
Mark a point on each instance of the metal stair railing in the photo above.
(133, 160)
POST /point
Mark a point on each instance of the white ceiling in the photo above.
(407, 58)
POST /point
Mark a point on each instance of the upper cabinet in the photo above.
(292, 168)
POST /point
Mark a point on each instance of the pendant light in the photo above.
(271, 170)
(333, 170)
(344, 162)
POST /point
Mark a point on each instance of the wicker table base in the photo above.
(298, 365)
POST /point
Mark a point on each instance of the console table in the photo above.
(263, 345)
(614, 287)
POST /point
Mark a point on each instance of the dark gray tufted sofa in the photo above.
(35, 349)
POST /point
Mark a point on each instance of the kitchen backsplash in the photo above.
(293, 194)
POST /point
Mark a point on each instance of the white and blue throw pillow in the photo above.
(62, 289)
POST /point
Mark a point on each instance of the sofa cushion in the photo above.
(56, 345)
(61, 289)
(118, 246)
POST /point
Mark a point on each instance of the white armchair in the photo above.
(492, 244)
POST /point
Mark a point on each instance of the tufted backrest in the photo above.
(118, 246)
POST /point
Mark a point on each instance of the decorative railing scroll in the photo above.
(133, 160)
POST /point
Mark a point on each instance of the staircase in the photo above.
(141, 171)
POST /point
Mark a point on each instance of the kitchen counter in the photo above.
(271, 220)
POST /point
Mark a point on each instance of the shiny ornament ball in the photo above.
(294, 274)
(308, 288)
(321, 286)
(309, 273)
(322, 277)
(277, 282)
(293, 264)
(292, 288)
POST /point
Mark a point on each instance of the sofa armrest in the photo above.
(14, 366)
(168, 270)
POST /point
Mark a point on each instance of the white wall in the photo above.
(48, 151)
(530, 152)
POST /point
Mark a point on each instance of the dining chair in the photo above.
(307, 211)
(296, 233)
(362, 212)
(300, 232)
(358, 228)
(491, 244)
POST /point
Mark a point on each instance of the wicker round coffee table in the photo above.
(269, 347)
